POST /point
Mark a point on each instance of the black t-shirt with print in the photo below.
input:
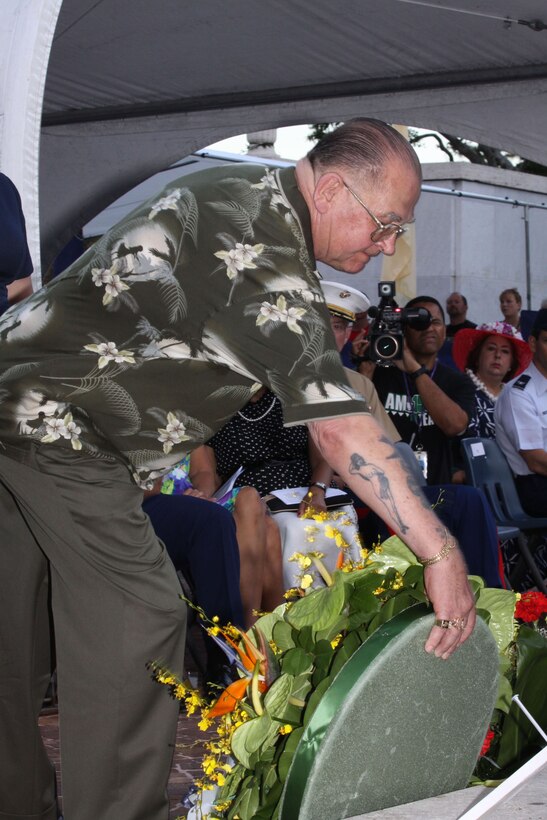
(402, 402)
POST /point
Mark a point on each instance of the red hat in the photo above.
(467, 340)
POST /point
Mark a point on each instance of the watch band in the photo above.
(319, 484)
(419, 372)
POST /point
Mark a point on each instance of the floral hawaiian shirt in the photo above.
(162, 330)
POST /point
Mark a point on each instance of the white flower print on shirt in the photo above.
(169, 202)
(110, 279)
(173, 433)
(62, 428)
(269, 182)
(239, 258)
(280, 313)
(108, 352)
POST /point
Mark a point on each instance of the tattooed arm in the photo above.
(356, 448)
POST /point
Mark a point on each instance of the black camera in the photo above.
(386, 334)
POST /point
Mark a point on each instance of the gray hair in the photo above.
(363, 146)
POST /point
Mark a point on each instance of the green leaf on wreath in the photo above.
(246, 803)
(339, 625)
(296, 661)
(319, 609)
(500, 603)
(299, 693)
(346, 649)
(287, 755)
(269, 802)
(270, 777)
(392, 607)
(395, 554)
(275, 700)
(414, 576)
(476, 583)
(305, 638)
(251, 737)
(520, 739)
(315, 698)
(323, 658)
(363, 598)
(282, 635)
(266, 624)
(505, 693)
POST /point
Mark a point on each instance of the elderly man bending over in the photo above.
(133, 357)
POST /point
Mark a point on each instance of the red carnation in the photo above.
(487, 741)
(531, 606)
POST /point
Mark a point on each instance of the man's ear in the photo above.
(532, 343)
(327, 188)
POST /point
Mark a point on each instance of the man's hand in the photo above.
(360, 344)
(408, 363)
(448, 590)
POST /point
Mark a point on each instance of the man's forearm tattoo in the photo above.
(380, 485)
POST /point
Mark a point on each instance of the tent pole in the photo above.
(526, 218)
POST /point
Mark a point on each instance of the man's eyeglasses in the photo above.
(383, 231)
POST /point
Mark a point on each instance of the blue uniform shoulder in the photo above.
(522, 382)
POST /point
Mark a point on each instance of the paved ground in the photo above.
(185, 763)
(188, 752)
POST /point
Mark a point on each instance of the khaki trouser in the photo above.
(76, 542)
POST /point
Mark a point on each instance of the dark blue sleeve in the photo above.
(15, 261)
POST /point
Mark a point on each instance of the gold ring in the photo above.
(446, 623)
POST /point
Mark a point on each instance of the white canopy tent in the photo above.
(96, 96)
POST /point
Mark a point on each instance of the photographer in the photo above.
(430, 404)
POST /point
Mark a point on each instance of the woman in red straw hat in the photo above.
(491, 355)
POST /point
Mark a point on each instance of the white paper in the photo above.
(296, 494)
(477, 449)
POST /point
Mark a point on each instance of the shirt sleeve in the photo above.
(283, 340)
(15, 261)
(521, 421)
(464, 395)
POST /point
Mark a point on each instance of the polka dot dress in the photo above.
(273, 456)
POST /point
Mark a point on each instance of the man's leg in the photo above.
(116, 607)
(27, 777)
(532, 491)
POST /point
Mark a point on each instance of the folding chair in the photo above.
(487, 468)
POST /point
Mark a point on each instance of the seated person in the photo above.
(266, 457)
(200, 538)
(464, 510)
(201, 541)
(491, 355)
(429, 404)
(15, 261)
(521, 423)
(258, 578)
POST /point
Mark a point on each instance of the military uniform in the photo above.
(521, 424)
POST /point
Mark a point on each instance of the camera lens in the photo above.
(387, 347)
